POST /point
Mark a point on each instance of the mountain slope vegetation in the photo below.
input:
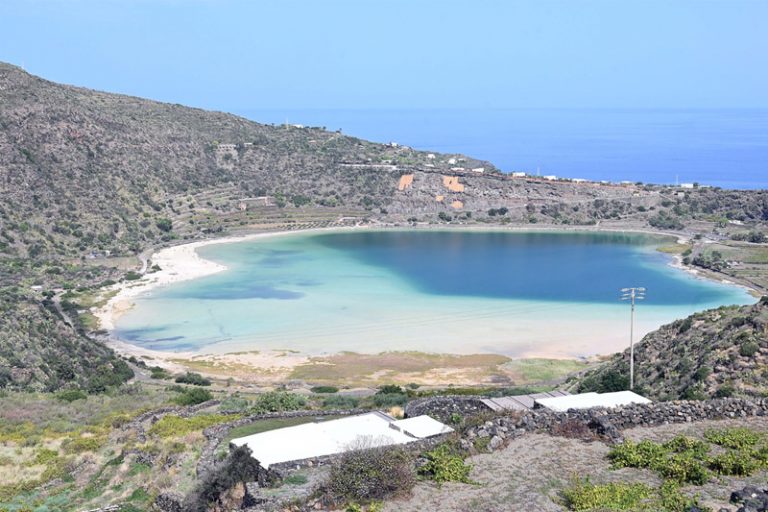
(715, 353)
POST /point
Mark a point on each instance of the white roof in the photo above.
(333, 436)
(421, 427)
(588, 400)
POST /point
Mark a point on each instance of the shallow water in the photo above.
(515, 293)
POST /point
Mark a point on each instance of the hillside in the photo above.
(714, 353)
(91, 180)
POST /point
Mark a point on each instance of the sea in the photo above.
(517, 293)
(718, 147)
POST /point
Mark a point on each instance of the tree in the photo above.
(164, 224)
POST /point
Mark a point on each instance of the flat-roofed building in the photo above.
(323, 438)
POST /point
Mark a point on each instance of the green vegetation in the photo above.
(370, 474)
(325, 389)
(171, 425)
(277, 401)
(445, 464)
(193, 396)
(583, 495)
(686, 460)
(192, 378)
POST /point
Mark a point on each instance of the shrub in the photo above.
(341, 402)
(193, 396)
(278, 401)
(737, 438)
(193, 378)
(684, 468)
(368, 474)
(71, 395)
(725, 391)
(749, 349)
(156, 372)
(238, 468)
(389, 399)
(645, 454)
(325, 389)
(734, 462)
(171, 425)
(583, 495)
(234, 403)
(444, 464)
(389, 389)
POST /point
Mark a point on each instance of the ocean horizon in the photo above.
(725, 148)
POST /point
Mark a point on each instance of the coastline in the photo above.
(182, 263)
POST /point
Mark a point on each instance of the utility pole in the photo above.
(632, 295)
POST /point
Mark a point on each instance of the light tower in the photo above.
(632, 294)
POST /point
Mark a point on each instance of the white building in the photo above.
(431, 156)
(589, 400)
(579, 180)
(518, 175)
(451, 161)
(478, 170)
(551, 177)
(331, 437)
(686, 185)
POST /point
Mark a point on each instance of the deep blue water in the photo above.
(573, 267)
(722, 147)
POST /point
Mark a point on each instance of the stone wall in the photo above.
(442, 408)
(608, 423)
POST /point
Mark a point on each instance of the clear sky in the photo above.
(238, 54)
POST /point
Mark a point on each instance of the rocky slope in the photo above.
(714, 353)
(89, 180)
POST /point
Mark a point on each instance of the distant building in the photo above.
(458, 169)
(478, 170)
(518, 175)
(579, 180)
(451, 161)
(550, 177)
(226, 147)
(686, 185)
(431, 156)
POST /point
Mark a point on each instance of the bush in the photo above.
(193, 396)
(156, 372)
(278, 401)
(171, 425)
(341, 402)
(749, 349)
(736, 463)
(389, 389)
(234, 403)
(192, 378)
(738, 438)
(368, 474)
(71, 395)
(583, 495)
(325, 389)
(444, 464)
(389, 399)
(238, 468)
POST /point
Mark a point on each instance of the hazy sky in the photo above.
(241, 54)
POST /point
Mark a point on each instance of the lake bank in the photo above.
(577, 333)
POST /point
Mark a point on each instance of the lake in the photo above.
(516, 293)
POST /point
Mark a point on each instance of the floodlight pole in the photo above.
(632, 294)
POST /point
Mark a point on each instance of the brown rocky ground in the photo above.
(529, 474)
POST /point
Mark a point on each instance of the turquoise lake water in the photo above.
(515, 293)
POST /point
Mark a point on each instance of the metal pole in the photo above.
(632, 343)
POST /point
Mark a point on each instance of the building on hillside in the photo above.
(551, 177)
(686, 185)
(478, 170)
(518, 174)
(590, 400)
(332, 437)
(579, 180)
